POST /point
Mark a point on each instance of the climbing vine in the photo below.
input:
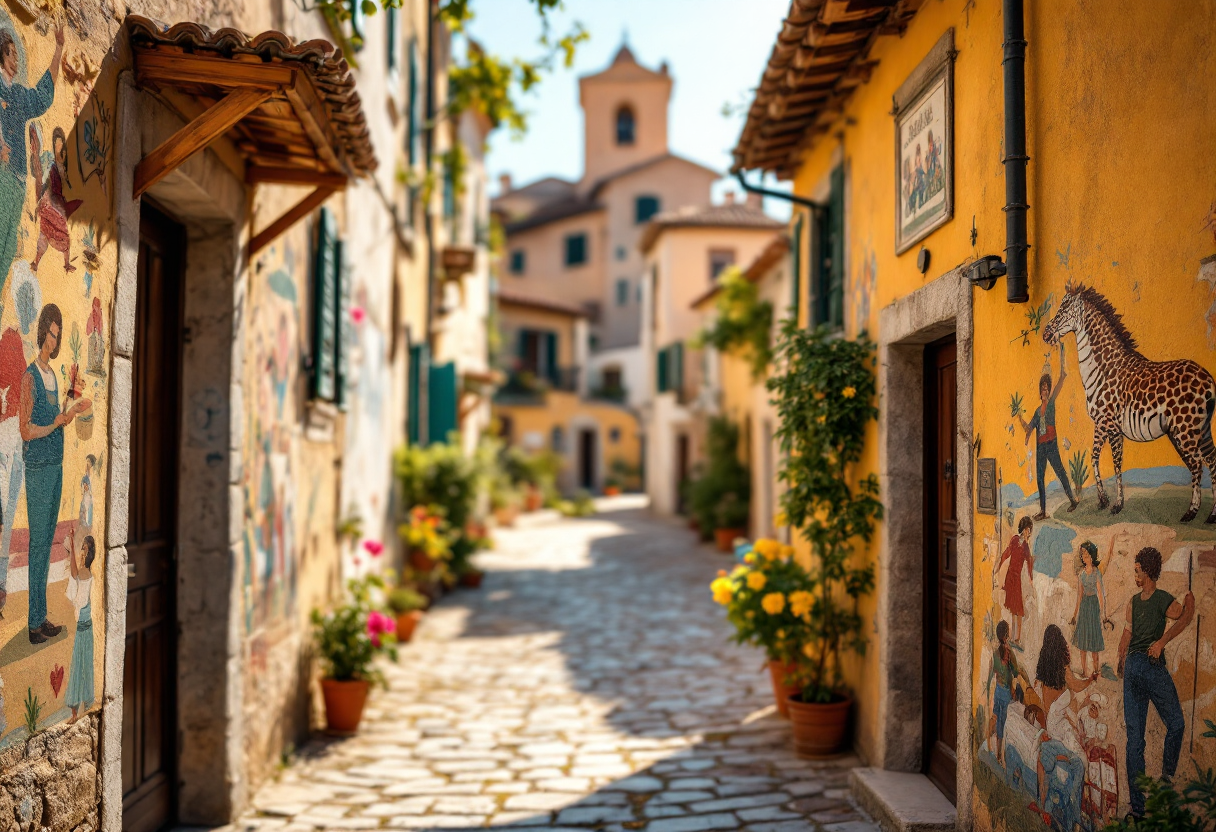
(744, 322)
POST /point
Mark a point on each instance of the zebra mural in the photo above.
(1127, 395)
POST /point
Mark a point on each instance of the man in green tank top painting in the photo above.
(1145, 675)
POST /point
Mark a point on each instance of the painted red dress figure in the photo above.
(53, 209)
(1018, 554)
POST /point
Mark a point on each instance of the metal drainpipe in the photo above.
(428, 152)
(1014, 64)
(814, 207)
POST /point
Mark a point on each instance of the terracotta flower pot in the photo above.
(819, 730)
(506, 516)
(472, 580)
(533, 500)
(407, 622)
(344, 703)
(420, 561)
(779, 671)
(725, 538)
(611, 490)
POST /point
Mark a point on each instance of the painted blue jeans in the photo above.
(1045, 454)
(43, 490)
(1145, 681)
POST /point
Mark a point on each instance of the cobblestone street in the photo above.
(590, 684)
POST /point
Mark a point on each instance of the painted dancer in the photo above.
(1047, 446)
(1145, 675)
(1017, 553)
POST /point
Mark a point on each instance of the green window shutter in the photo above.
(413, 136)
(325, 307)
(345, 341)
(419, 375)
(390, 26)
(834, 312)
(796, 267)
(676, 376)
(441, 406)
(550, 366)
(357, 22)
(661, 370)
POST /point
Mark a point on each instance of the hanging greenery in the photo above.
(744, 322)
(824, 393)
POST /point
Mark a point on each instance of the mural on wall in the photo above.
(1094, 665)
(53, 368)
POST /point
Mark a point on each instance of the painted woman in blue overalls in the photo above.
(42, 422)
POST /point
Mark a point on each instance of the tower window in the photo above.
(576, 249)
(624, 125)
(519, 261)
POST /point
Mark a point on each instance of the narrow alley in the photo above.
(590, 684)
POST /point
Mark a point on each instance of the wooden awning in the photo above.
(290, 109)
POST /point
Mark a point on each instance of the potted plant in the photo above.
(471, 577)
(426, 533)
(407, 605)
(765, 598)
(349, 639)
(730, 521)
(824, 394)
(612, 486)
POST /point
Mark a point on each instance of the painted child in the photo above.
(85, 517)
(1004, 671)
(1047, 446)
(53, 209)
(1090, 611)
(79, 694)
(1018, 554)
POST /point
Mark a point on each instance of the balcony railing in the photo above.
(526, 384)
(609, 394)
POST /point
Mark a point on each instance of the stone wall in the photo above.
(50, 782)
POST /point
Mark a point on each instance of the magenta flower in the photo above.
(373, 547)
(377, 624)
(357, 314)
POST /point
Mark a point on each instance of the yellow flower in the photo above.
(781, 634)
(808, 650)
(823, 419)
(773, 603)
(737, 571)
(756, 581)
(787, 552)
(723, 590)
(849, 392)
(767, 548)
(780, 519)
(749, 558)
(751, 614)
(800, 602)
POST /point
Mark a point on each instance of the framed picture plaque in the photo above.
(985, 486)
(924, 146)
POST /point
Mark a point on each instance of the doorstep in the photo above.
(902, 802)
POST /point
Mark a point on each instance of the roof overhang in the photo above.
(290, 109)
(820, 57)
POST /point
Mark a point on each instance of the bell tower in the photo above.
(624, 115)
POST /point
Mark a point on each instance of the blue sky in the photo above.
(716, 50)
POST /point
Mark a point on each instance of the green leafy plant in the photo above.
(403, 599)
(744, 322)
(627, 475)
(440, 475)
(1016, 405)
(33, 712)
(824, 394)
(1078, 471)
(1167, 810)
(580, 506)
(1035, 316)
(352, 635)
(350, 527)
(722, 483)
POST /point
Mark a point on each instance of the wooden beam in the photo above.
(256, 174)
(312, 115)
(195, 136)
(183, 68)
(306, 205)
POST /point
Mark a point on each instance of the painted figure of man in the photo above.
(1047, 446)
(18, 105)
(42, 422)
(1145, 676)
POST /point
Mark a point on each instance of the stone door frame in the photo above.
(938, 309)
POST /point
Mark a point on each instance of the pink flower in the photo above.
(357, 314)
(373, 547)
(379, 623)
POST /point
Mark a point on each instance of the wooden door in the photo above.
(586, 459)
(682, 472)
(149, 748)
(941, 565)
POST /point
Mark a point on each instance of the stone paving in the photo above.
(589, 684)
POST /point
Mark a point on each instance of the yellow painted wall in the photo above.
(1122, 182)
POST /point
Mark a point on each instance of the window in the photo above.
(413, 133)
(332, 330)
(557, 439)
(614, 435)
(827, 277)
(621, 253)
(624, 125)
(390, 27)
(669, 369)
(538, 353)
(612, 378)
(576, 249)
(645, 207)
(622, 292)
(506, 428)
(519, 261)
(720, 259)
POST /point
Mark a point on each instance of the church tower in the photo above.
(624, 116)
